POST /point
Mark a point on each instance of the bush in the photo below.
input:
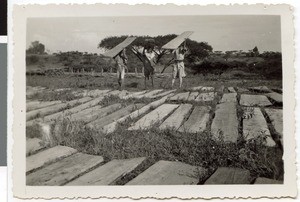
(32, 59)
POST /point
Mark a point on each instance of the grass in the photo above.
(194, 149)
(63, 95)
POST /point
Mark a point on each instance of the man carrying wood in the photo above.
(178, 68)
(121, 63)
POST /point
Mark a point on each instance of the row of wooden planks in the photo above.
(62, 165)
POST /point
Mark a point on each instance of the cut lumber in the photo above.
(154, 117)
(33, 145)
(229, 97)
(263, 180)
(255, 126)
(55, 108)
(169, 173)
(175, 120)
(193, 96)
(117, 49)
(33, 105)
(275, 96)
(229, 176)
(254, 100)
(47, 156)
(276, 117)
(63, 171)
(180, 96)
(206, 97)
(225, 123)
(197, 121)
(112, 126)
(231, 90)
(175, 43)
(108, 173)
(100, 123)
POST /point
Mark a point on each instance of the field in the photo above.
(215, 126)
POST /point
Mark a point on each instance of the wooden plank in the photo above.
(254, 100)
(231, 90)
(33, 105)
(263, 180)
(100, 123)
(55, 108)
(225, 122)
(48, 156)
(108, 173)
(205, 88)
(96, 93)
(242, 90)
(197, 121)
(112, 126)
(220, 89)
(175, 43)
(64, 113)
(206, 97)
(275, 96)
(255, 126)
(276, 117)
(149, 94)
(64, 171)
(169, 173)
(163, 94)
(261, 89)
(93, 113)
(175, 120)
(134, 94)
(154, 117)
(180, 96)
(229, 97)
(33, 145)
(193, 96)
(229, 176)
(117, 49)
(196, 88)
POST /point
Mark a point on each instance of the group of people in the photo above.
(121, 60)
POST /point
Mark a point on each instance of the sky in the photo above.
(233, 32)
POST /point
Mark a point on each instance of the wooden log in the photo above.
(261, 89)
(229, 176)
(255, 126)
(48, 156)
(197, 121)
(175, 120)
(154, 117)
(108, 173)
(205, 88)
(149, 94)
(196, 88)
(63, 171)
(169, 173)
(225, 123)
(134, 95)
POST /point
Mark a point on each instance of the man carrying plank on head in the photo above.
(179, 49)
(119, 55)
(121, 63)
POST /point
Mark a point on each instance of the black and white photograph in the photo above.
(154, 100)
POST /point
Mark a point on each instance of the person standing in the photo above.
(178, 68)
(121, 63)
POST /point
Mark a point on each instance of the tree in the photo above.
(36, 48)
(255, 51)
